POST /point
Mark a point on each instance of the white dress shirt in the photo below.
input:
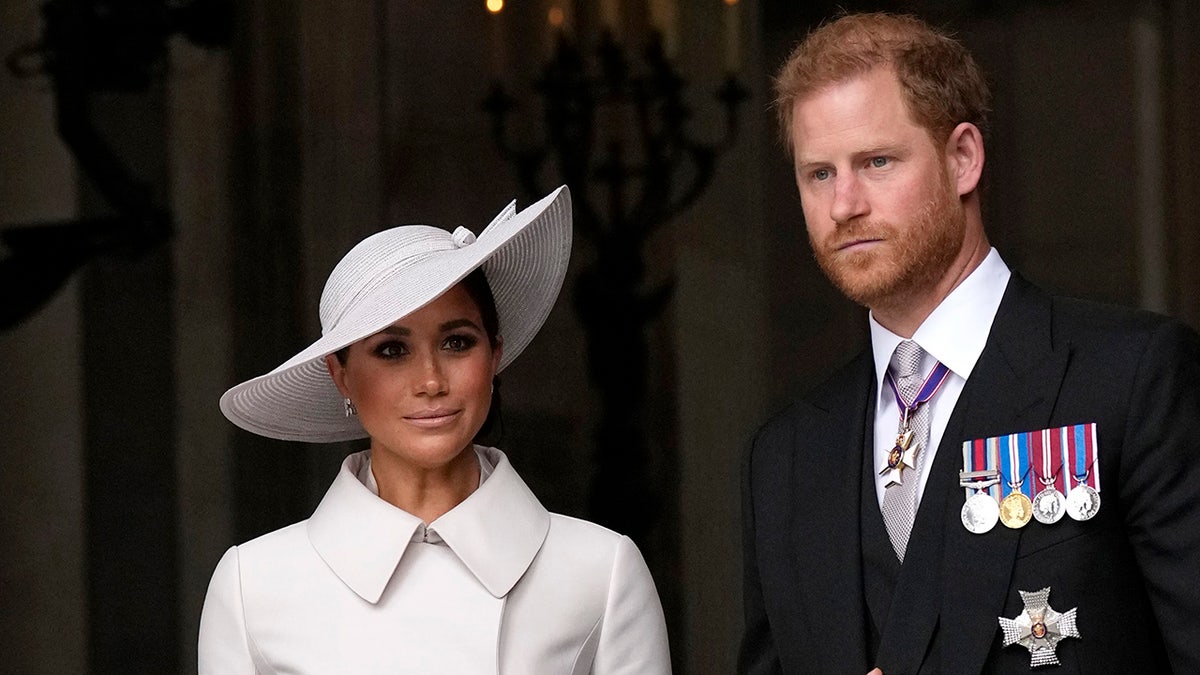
(495, 585)
(954, 334)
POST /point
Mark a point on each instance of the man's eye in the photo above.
(879, 162)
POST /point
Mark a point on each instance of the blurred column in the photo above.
(43, 592)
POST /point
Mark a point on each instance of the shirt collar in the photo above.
(957, 329)
(496, 531)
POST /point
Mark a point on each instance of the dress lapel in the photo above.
(952, 581)
(826, 477)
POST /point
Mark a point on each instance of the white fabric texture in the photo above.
(506, 588)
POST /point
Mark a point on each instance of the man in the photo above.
(871, 504)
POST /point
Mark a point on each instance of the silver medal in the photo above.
(1049, 506)
(980, 513)
(1083, 502)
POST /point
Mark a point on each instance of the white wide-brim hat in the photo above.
(392, 274)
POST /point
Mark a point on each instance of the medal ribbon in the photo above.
(1014, 463)
(1072, 448)
(982, 454)
(932, 383)
(1044, 455)
(1081, 440)
(1025, 463)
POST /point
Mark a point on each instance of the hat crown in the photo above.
(373, 262)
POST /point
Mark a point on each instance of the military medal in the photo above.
(1083, 501)
(980, 513)
(1049, 505)
(903, 454)
(1015, 509)
(1058, 458)
(1039, 628)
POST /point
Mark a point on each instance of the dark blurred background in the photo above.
(178, 178)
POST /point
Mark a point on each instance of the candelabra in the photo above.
(620, 139)
(90, 46)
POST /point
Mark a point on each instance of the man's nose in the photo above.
(849, 199)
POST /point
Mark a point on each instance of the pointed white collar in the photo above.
(496, 531)
(956, 332)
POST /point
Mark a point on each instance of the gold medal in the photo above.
(1016, 510)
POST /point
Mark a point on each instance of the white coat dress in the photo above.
(496, 585)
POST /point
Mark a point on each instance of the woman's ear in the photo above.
(497, 351)
(964, 157)
(337, 372)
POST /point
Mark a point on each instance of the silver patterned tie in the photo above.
(900, 500)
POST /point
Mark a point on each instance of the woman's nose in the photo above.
(431, 381)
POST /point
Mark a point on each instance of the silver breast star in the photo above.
(1039, 628)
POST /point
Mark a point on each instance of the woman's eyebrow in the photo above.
(459, 323)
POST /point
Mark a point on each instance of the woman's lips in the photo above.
(432, 419)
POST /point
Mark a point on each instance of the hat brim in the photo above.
(524, 258)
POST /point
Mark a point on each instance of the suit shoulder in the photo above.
(817, 398)
(1088, 323)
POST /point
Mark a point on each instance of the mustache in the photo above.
(857, 230)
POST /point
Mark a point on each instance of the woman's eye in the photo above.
(821, 174)
(390, 350)
(459, 343)
(879, 162)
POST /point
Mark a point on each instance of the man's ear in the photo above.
(337, 372)
(964, 157)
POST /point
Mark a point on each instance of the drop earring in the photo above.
(351, 411)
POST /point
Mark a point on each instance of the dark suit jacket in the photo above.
(1133, 571)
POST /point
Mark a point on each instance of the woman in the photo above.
(428, 554)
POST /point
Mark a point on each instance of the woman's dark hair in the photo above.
(477, 287)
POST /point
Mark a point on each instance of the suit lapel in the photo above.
(953, 581)
(826, 477)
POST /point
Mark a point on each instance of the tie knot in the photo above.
(906, 360)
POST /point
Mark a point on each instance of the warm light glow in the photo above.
(731, 2)
(556, 17)
(494, 6)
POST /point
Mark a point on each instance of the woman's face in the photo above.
(423, 385)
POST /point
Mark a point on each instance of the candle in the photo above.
(496, 35)
(610, 16)
(664, 16)
(558, 18)
(733, 36)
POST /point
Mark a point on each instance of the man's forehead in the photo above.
(868, 110)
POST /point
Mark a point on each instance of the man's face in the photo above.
(883, 217)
